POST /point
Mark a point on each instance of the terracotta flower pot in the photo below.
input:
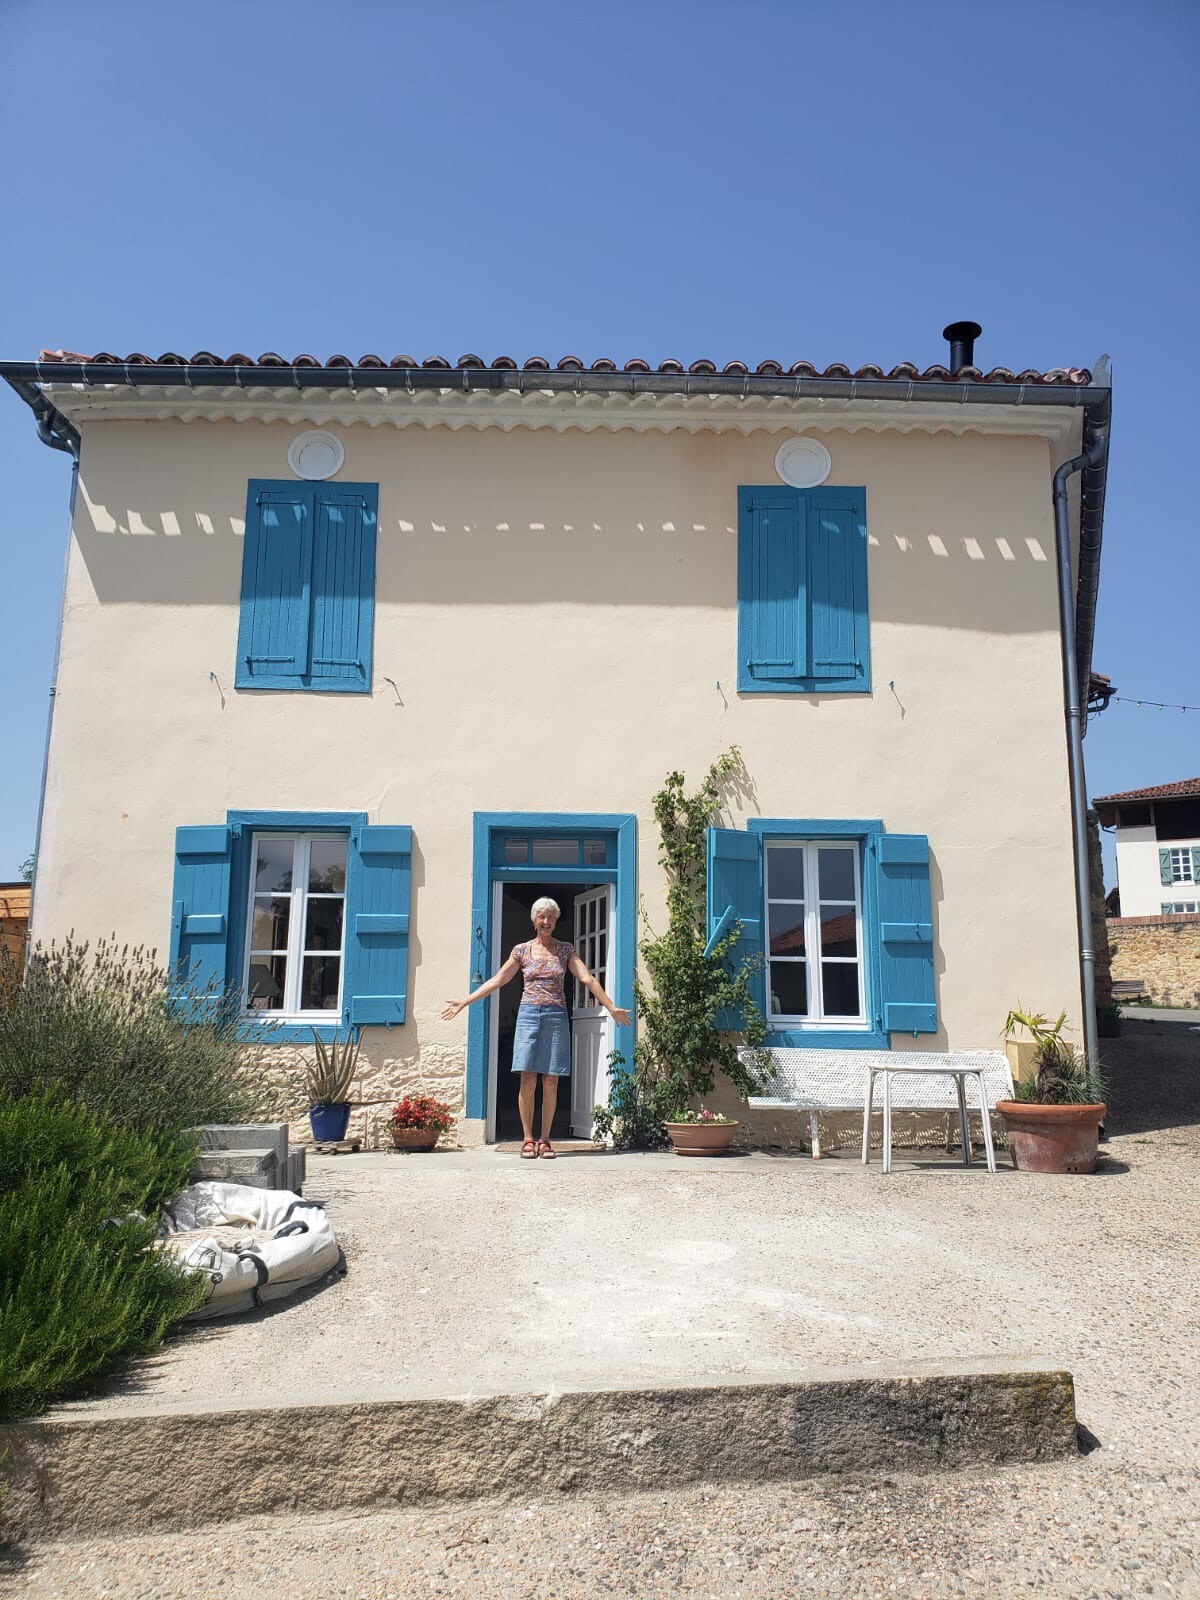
(700, 1138)
(414, 1138)
(1052, 1138)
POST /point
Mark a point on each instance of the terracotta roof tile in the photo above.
(1184, 789)
(1072, 377)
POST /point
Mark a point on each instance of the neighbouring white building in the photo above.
(1158, 847)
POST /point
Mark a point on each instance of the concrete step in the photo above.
(257, 1168)
(76, 1476)
(296, 1171)
(245, 1136)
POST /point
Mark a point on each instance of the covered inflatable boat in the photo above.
(252, 1245)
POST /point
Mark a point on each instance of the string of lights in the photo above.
(1159, 705)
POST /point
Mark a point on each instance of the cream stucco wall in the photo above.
(558, 612)
(1143, 893)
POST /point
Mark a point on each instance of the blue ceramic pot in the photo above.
(329, 1122)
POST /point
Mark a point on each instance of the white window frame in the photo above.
(1180, 908)
(1181, 864)
(815, 1019)
(297, 931)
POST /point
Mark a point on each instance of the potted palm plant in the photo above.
(329, 1080)
(1053, 1120)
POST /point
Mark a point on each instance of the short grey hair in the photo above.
(544, 904)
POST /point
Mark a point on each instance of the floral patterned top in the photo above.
(544, 971)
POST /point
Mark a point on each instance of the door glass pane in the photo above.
(273, 864)
(787, 930)
(516, 851)
(319, 983)
(268, 974)
(838, 934)
(789, 988)
(836, 869)
(269, 929)
(323, 930)
(556, 852)
(327, 866)
(785, 871)
(595, 852)
(839, 980)
(601, 967)
(603, 914)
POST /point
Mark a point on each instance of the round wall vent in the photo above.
(803, 463)
(315, 455)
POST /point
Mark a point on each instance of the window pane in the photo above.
(837, 874)
(789, 988)
(838, 937)
(839, 980)
(323, 930)
(327, 866)
(785, 872)
(269, 930)
(556, 852)
(264, 992)
(516, 851)
(273, 864)
(595, 852)
(319, 983)
(787, 930)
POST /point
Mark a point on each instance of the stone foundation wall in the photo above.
(383, 1077)
(1164, 952)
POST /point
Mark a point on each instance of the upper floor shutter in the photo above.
(273, 632)
(343, 584)
(837, 582)
(1165, 875)
(771, 566)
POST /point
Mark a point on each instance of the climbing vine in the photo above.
(680, 1049)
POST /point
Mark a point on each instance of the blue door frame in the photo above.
(484, 872)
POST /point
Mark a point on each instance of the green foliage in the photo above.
(680, 1053)
(1060, 1078)
(82, 1290)
(1039, 1028)
(331, 1077)
(26, 868)
(102, 1028)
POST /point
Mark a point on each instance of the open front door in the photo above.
(590, 1023)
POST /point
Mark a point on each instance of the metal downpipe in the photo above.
(1092, 457)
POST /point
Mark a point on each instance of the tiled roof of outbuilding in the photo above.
(1071, 377)
(1184, 789)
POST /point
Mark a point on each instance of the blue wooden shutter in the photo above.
(200, 909)
(1164, 868)
(1196, 863)
(378, 887)
(837, 587)
(905, 933)
(273, 631)
(343, 584)
(772, 625)
(735, 894)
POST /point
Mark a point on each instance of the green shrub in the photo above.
(102, 1028)
(82, 1291)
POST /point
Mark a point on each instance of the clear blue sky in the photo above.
(684, 178)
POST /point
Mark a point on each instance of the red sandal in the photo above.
(529, 1151)
(544, 1150)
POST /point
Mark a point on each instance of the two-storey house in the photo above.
(359, 658)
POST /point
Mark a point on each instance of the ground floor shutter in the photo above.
(378, 889)
(735, 895)
(199, 951)
(905, 933)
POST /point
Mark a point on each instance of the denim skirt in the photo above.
(542, 1042)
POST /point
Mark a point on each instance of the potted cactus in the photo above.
(1053, 1120)
(329, 1081)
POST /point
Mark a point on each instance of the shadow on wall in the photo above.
(942, 551)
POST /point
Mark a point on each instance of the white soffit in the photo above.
(557, 409)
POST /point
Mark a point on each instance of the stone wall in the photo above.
(1164, 952)
(381, 1077)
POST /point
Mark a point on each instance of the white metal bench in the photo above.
(841, 1080)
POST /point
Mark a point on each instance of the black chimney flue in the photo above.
(962, 337)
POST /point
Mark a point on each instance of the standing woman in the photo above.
(542, 1042)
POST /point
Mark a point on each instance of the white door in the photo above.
(590, 1023)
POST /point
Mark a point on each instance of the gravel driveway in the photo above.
(494, 1277)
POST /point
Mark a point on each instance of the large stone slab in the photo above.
(245, 1136)
(259, 1169)
(71, 1476)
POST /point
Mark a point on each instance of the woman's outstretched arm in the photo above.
(505, 975)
